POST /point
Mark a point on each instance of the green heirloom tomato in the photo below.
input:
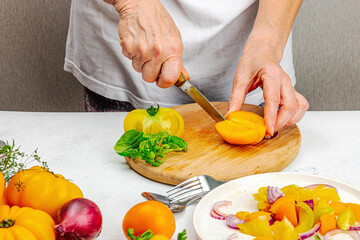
(345, 219)
(306, 218)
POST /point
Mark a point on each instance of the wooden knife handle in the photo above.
(180, 81)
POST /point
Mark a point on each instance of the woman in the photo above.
(230, 48)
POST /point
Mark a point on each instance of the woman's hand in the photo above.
(151, 40)
(259, 67)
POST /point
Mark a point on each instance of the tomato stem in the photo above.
(152, 111)
(6, 223)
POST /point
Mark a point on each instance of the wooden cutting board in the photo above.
(209, 154)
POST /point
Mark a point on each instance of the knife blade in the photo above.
(198, 97)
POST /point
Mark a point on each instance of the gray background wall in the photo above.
(33, 35)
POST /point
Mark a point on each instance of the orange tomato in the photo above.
(285, 207)
(41, 189)
(2, 190)
(241, 128)
(328, 223)
(150, 215)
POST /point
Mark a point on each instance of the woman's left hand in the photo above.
(259, 66)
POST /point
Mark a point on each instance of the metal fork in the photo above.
(175, 206)
(195, 185)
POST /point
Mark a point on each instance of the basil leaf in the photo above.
(128, 140)
(178, 142)
(152, 148)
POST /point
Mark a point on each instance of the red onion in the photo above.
(311, 187)
(355, 228)
(331, 233)
(233, 236)
(273, 194)
(310, 202)
(272, 219)
(221, 204)
(310, 233)
(271, 137)
(232, 221)
(216, 216)
(79, 218)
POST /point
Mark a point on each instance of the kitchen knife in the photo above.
(198, 97)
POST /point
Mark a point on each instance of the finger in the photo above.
(185, 73)
(141, 56)
(240, 88)
(126, 53)
(288, 106)
(127, 46)
(151, 71)
(302, 107)
(170, 72)
(271, 92)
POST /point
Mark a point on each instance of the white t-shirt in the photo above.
(213, 32)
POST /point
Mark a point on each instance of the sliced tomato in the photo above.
(154, 120)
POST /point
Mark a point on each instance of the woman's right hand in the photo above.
(151, 40)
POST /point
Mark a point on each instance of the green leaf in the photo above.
(128, 140)
(144, 236)
(182, 235)
(152, 148)
(178, 142)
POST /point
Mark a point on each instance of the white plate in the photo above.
(240, 192)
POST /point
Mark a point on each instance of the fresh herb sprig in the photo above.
(149, 234)
(144, 236)
(182, 235)
(13, 160)
(152, 148)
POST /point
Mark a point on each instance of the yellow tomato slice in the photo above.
(164, 119)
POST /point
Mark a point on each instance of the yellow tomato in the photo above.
(154, 120)
(41, 189)
(25, 223)
(159, 237)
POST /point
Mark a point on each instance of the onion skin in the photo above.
(310, 203)
(354, 234)
(232, 221)
(233, 236)
(311, 232)
(79, 219)
(311, 187)
(273, 194)
(216, 216)
(220, 204)
(355, 228)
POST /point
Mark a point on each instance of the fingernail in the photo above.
(272, 130)
(267, 136)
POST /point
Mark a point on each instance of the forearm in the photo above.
(273, 24)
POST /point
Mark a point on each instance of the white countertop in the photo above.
(80, 146)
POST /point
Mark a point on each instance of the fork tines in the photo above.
(185, 190)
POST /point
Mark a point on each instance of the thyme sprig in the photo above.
(13, 160)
